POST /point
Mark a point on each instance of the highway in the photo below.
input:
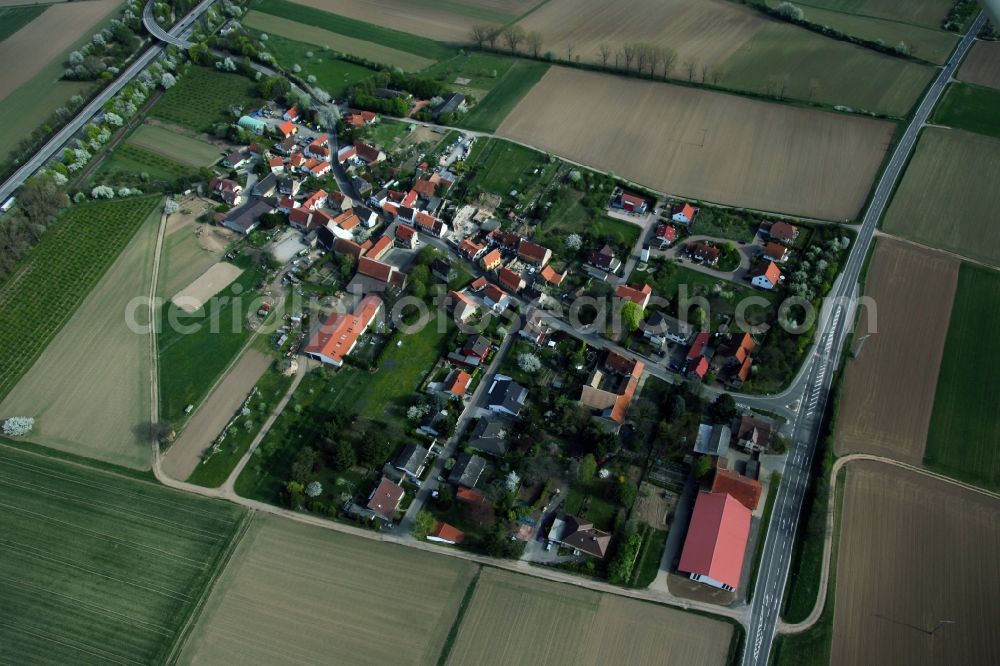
(53, 146)
(154, 28)
(815, 381)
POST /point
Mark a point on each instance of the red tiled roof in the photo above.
(386, 498)
(509, 279)
(345, 246)
(698, 366)
(458, 383)
(783, 231)
(409, 199)
(698, 345)
(717, 538)
(469, 495)
(447, 532)
(744, 372)
(374, 269)
(276, 162)
(380, 246)
(638, 296)
(549, 275)
(347, 220)
(770, 271)
(470, 248)
(300, 216)
(688, 211)
(337, 336)
(667, 232)
(425, 220)
(478, 284)
(404, 232)
(745, 490)
(775, 251)
(532, 252)
(633, 199)
(494, 293)
(314, 199)
(424, 187)
(491, 259)
(287, 128)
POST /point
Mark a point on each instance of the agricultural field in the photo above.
(128, 159)
(100, 567)
(927, 13)
(26, 52)
(57, 275)
(191, 361)
(89, 391)
(951, 176)
(295, 594)
(189, 247)
(175, 146)
(448, 21)
(202, 289)
(982, 65)
(760, 155)
(202, 97)
(215, 412)
(964, 437)
(887, 396)
(13, 18)
(332, 74)
(925, 42)
(286, 36)
(798, 64)
(913, 584)
(515, 619)
(385, 33)
(490, 111)
(969, 107)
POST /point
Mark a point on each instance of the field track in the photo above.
(704, 145)
(889, 386)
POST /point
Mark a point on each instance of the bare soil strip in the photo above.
(889, 387)
(704, 145)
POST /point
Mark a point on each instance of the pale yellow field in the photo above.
(89, 391)
(423, 18)
(296, 594)
(982, 65)
(514, 619)
(704, 145)
(219, 276)
(25, 53)
(707, 31)
(319, 37)
(187, 253)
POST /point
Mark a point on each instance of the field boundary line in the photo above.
(948, 253)
(821, 593)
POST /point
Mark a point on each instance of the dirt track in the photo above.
(889, 388)
(982, 66)
(719, 148)
(25, 53)
(917, 574)
(213, 414)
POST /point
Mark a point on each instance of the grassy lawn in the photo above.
(132, 563)
(369, 32)
(970, 107)
(490, 112)
(128, 160)
(501, 167)
(586, 500)
(190, 362)
(202, 97)
(175, 146)
(723, 223)
(13, 19)
(964, 436)
(568, 216)
(332, 75)
(216, 469)
(648, 566)
(58, 274)
(386, 133)
(948, 196)
(825, 70)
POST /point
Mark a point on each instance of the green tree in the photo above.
(631, 316)
(343, 456)
(703, 466)
(724, 408)
(588, 468)
(423, 525)
(303, 464)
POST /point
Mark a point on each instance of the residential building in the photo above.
(245, 219)
(228, 190)
(704, 252)
(368, 153)
(716, 541)
(533, 253)
(411, 461)
(477, 346)
(766, 275)
(445, 533)
(453, 103)
(510, 280)
(277, 165)
(491, 261)
(478, 284)
(496, 298)
(471, 250)
(291, 114)
(630, 203)
(684, 214)
(581, 536)
(301, 219)
(343, 245)
(406, 237)
(776, 252)
(266, 186)
(783, 232)
(638, 296)
(713, 440)
(457, 383)
(666, 234)
(347, 154)
(605, 259)
(337, 337)
(384, 500)
(660, 329)
(535, 328)
(552, 277)
(745, 490)
(505, 396)
(490, 437)
(377, 276)
(287, 129)
(380, 247)
(463, 306)
(315, 200)
(467, 470)
(611, 386)
(753, 434)
(697, 366)
(430, 225)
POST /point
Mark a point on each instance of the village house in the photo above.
(443, 270)
(753, 435)
(319, 148)
(490, 437)
(347, 154)
(535, 329)
(743, 489)
(775, 252)
(510, 280)
(445, 533)
(430, 225)
(286, 146)
(716, 541)
(697, 356)
(337, 337)
(783, 232)
(380, 247)
(457, 383)
(277, 165)
(605, 259)
(368, 153)
(360, 118)
(228, 190)
(660, 329)
(766, 275)
(580, 535)
(463, 306)
(339, 202)
(713, 439)
(611, 387)
(732, 357)
(246, 218)
(340, 245)
(289, 186)
(550, 276)
(266, 186)
(385, 499)
(467, 470)
(473, 353)
(684, 214)
(630, 203)
(638, 296)
(496, 298)
(406, 237)
(453, 103)
(287, 129)
(704, 252)
(237, 159)
(666, 234)
(291, 114)
(491, 261)
(471, 250)
(533, 253)
(411, 461)
(505, 396)
(375, 276)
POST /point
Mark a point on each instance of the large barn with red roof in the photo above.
(716, 541)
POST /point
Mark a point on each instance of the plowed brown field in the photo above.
(889, 388)
(704, 145)
(917, 578)
(982, 65)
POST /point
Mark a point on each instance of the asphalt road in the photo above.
(157, 30)
(814, 383)
(182, 29)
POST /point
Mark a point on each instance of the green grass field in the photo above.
(128, 159)
(964, 436)
(970, 107)
(13, 19)
(332, 75)
(175, 146)
(948, 198)
(569, 216)
(489, 113)
(926, 42)
(100, 567)
(202, 97)
(927, 13)
(501, 167)
(213, 472)
(368, 32)
(58, 274)
(191, 362)
(824, 70)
